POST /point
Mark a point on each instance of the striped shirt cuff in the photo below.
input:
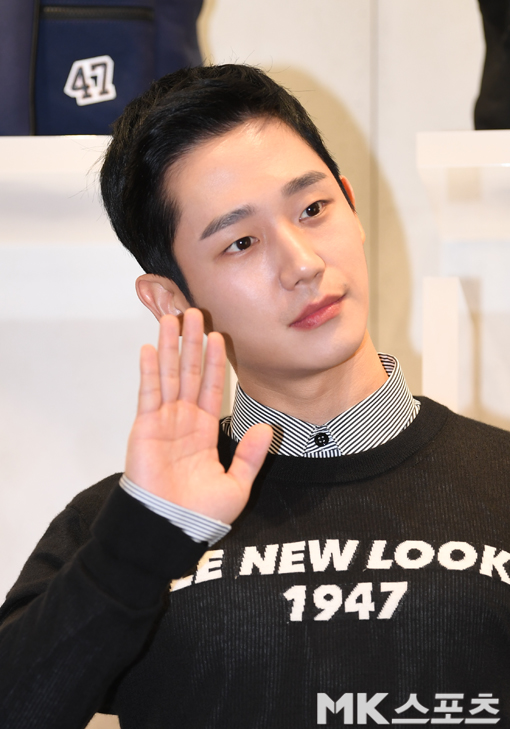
(198, 527)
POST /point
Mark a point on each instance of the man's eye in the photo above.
(312, 210)
(242, 244)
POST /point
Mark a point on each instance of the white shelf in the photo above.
(466, 308)
(49, 191)
(467, 179)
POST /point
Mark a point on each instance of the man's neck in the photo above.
(319, 397)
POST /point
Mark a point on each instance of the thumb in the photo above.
(250, 454)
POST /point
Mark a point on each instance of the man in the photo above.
(364, 577)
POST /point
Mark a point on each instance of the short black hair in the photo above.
(175, 114)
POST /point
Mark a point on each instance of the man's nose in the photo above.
(298, 260)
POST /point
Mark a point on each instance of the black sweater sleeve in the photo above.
(84, 606)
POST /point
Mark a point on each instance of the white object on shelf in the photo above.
(60, 258)
(49, 191)
(447, 344)
(467, 178)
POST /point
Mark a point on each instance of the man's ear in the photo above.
(348, 189)
(160, 295)
(350, 194)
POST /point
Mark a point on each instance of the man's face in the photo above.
(272, 251)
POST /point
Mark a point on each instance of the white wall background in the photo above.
(372, 73)
(70, 327)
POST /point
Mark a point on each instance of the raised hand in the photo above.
(172, 448)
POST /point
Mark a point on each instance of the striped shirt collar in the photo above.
(373, 421)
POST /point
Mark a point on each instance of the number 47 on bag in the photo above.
(90, 80)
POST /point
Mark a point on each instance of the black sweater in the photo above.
(346, 586)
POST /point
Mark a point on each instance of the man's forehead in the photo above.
(226, 176)
(254, 134)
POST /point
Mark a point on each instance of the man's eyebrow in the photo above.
(299, 183)
(234, 216)
(223, 221)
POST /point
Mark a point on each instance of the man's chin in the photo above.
(316, 364)
(303, 360)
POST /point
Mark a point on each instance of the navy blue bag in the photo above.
(71, 66)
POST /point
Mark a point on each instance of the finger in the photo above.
(168, 356)
(191, 355)
(149, 394)
(250, 454)
(213, 380)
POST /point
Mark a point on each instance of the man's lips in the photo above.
(318, 312)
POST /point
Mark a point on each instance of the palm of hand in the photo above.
(172, 449)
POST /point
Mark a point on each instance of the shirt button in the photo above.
(321, 439)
